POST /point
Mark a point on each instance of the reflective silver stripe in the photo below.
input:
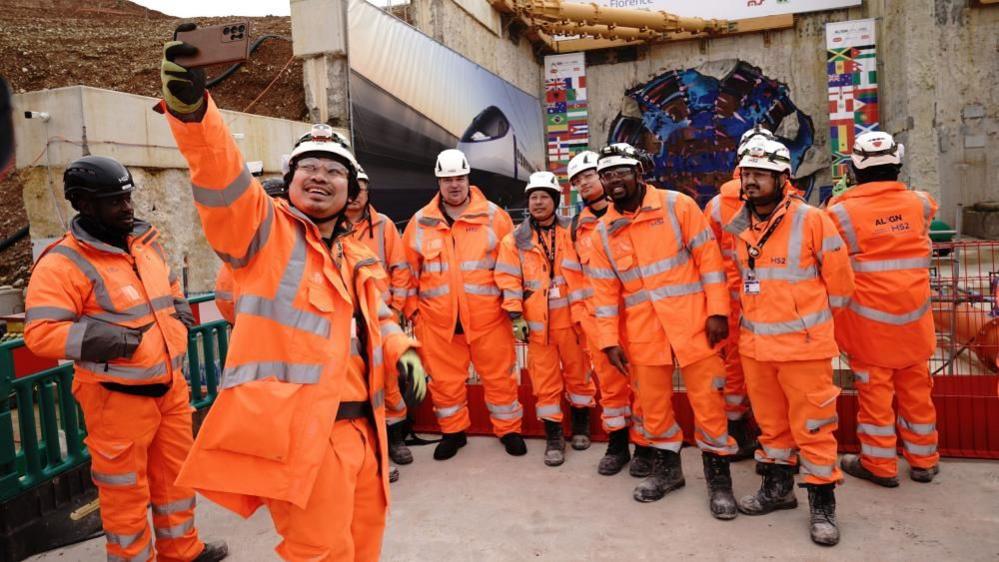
(777, 328)
(435, 267)
(670, 432)
(602, 231)
(887, 317)
(132, 373)
(74, 340)
(783, 273)
(729, 254)
(392, 420)
(100, 289)
(875, 266)
(513, 294)
(557, 303)
(503, 267)
(879, 430)
(142, 556)
(580, 399)
(720, 449)
(377, 357)
(536, 326)
(571, 265)
(482, 290)
(123, 541)
(837, 301)
(623, 411)
(917, 428)
(580, 294)
(777, 454)
(257, 242)
(558, 280)
(174, 506)
(701, 237)
(390, 328)
(123, 479)
(671, 197)
(846, 223)
(796, 239)
(615, 422)
(734, 416)
(713, 277)
(824, 470)
(630, 274)
(487, 264)
(862, 376)
(36, 313)
(662, 293)
(674, 446)
(355, 347)
(532, 285)
(877, 452)
(447, 412)
(398, 291)
(920, 450)
(505, 412)
(380, 235)
(399, 265)
(598, 272)
(609, 311)
(664, 265)
(411, 292)
(435, 292)
(417, 244)
(490, 228)
(735, 399)
(175, 531)
(365, 263)
(830, 244)
(550, 410)
(814, 425)
(226, 196)
(715, 205)
(734, 295)
(296, 373)
(378, 400)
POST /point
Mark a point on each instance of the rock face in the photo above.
(981, 221)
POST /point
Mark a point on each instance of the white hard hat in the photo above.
(754, 133)
(618, 154)
(362, 175)
(586, 160)
(321, 138)
(766, 155)
(876, 148)
(546, 181)
(451, 163)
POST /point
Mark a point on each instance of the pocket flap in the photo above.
(823, 398)
(254, 419)
(321, 298)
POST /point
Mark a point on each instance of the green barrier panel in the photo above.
(207, 346)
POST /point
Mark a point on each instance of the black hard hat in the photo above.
(96, 176)
(275, 187)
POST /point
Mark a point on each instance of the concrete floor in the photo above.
(486, 506)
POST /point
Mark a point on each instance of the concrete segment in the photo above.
(486, 506)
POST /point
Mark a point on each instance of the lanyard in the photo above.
(548, 251)
(754, 252)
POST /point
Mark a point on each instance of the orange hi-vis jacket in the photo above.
(888, 321)
(532, 286)
(803, 274)
(82, 295)
(287, 365)
(225, 294)
(663, 264)
(452, 266)
(382, 238)
(581, 291)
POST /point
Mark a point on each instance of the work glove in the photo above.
(616, 357)
(520, 329)
(183, 88)
(716, 328)
(103, 341)
(412, 378)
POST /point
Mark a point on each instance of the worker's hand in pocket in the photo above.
(520, 329)
(412, 378)
(716, 328)
(183, 88)
(617, 358)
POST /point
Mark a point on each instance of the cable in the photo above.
(256, 99)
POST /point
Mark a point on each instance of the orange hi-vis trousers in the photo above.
(494, 359)
(137, 445)
(704, 380)
(876, 422)
(344, 519)
(560, 365)
(736, 398)
(794, 403)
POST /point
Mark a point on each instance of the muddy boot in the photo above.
(851, 465)
(776, 492)
(822, 504)
(745, 437)
(213, 552)
(580, 428)
(397, 449)
(554, 443)
(719, 480)
(617, 454)
(393, 473)
(514, 444)
(641, 463)
(449, 445)
(667, 475)
(924, 475)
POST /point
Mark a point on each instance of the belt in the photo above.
(354, 410)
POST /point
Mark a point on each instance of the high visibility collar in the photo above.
(141, 230)
(651, 207)
(749, 228)
(527, 237)
(476, 212)
(871, 189)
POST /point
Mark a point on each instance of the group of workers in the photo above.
(748, 302)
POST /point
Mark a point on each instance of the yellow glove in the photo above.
(520, 329)
(183, 89)
(412, 378)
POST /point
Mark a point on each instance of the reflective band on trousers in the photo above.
(877, 266)
(790, 327)
(887, 317)
(814, 425)
(777, 454)
(878, 430)
(123, 479)
(734, 399)
(877, 452)
(807, 467)
(132, 373)
(919, 450)
(174, 506)
(917, 428)
(616, 422)
(505, 412)
(580, 399)
(284, 372)
(550, 410)
(662, 293)
(448, 411)
(123, 541)
(623, 411)
(142, 556)
(176, 531)
(671, 432)
(482, 290)
(674, 446)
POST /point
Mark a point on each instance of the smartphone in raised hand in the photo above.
(217, 44)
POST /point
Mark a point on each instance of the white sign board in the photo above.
(849, 33)
(730, 9)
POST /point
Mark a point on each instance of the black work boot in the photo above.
(745, 436)
(397, 449)
(667, 475)
(393, 473)
(580, 428)
(851, 465)
(449, 445)
(924, 475)
(641, 463)
(776, 491)
(822, 505)
(617, 454)
(554, 443)
(719, 480)
(213, 552)
(514, 444)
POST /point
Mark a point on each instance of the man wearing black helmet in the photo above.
(104, 296)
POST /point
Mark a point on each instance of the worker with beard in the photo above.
(660, 299)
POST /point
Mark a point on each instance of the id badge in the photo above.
(751, 286)
(554, 293)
